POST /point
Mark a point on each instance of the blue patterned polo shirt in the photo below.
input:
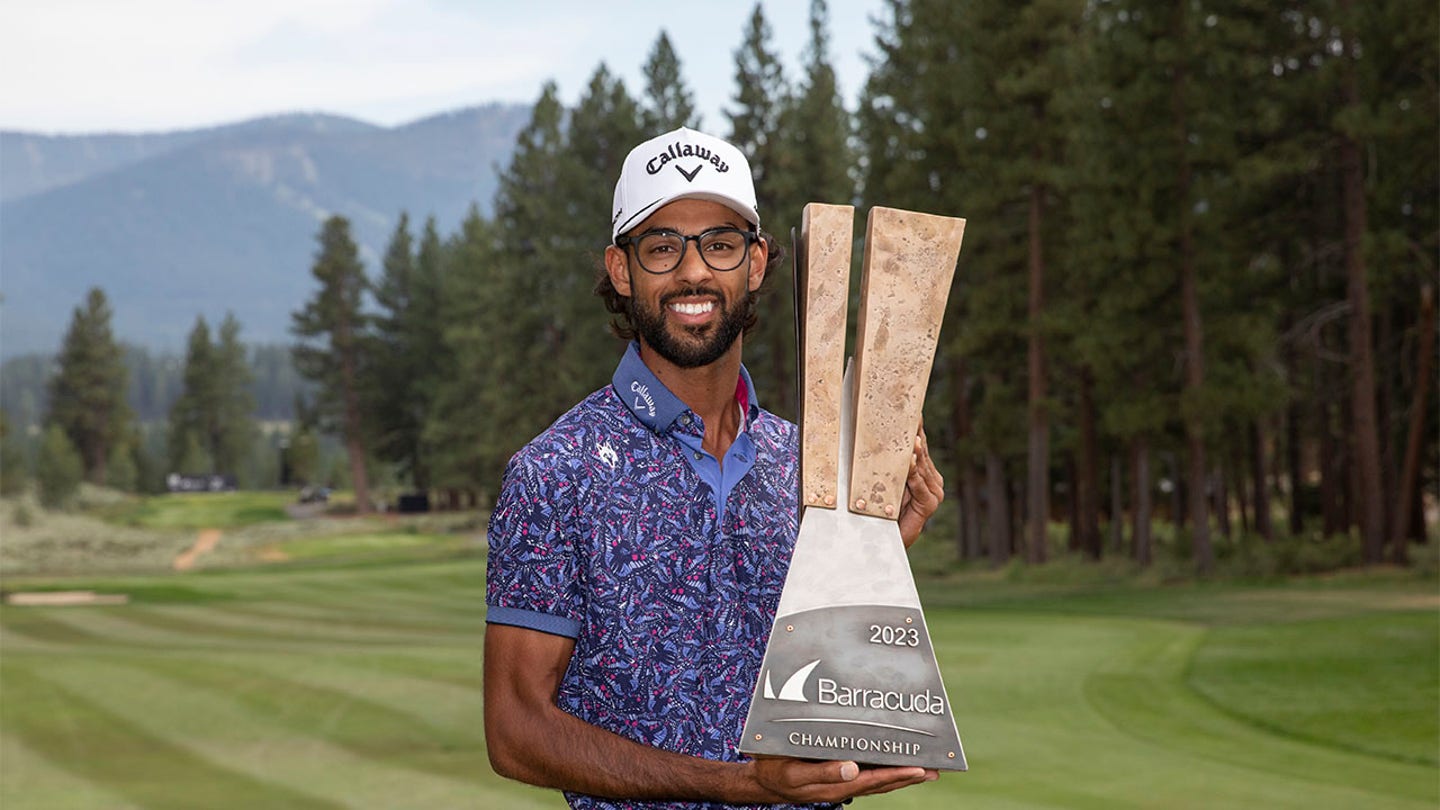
(615, 528)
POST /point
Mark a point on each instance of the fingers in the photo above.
(884, 780)
(924, 490)
(801, 781)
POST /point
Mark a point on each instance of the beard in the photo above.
(694, 346)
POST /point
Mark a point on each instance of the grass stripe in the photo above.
(353, 615)
(202, 626)
(464, 671)
(295, 744)
(357, 724)
(79, 736)
(44, 625)
(30, 782)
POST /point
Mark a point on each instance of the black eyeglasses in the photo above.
(660, 252)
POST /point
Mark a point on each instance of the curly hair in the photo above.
(619, 305)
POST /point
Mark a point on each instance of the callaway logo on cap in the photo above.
(679, 165)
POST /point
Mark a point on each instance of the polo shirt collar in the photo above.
(652, 403)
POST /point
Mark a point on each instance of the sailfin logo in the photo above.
(607, 454)
(794, 687)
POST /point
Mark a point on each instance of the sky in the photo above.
(85, 66)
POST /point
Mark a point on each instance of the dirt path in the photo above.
(204, 543)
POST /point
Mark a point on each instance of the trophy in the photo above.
(849, 671)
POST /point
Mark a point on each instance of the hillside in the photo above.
(173, 225)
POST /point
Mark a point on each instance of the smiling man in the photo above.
(640, 544)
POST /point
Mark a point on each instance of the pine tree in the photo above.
(87, 394)
(818, 130)
(669, 103)
(408, 351)
(331, 333)
(528, 292)
(192, 415)
(469, 447)
(757, 123)
(390, 392)
(302, 446)
(58, 469)
(233, 433)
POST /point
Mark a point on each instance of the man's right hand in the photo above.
(531, 739)
(803, 781)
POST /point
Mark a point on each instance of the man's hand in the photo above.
(796, 780)
(924, 490)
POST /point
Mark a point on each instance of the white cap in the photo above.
(679, 165)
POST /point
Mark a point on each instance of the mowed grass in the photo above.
(359, 685)
(202, 510)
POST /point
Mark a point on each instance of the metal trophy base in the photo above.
(850, 672)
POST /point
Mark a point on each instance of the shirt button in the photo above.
(685, 420)
(697, 456)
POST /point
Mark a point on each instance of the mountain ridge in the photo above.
(173, 225)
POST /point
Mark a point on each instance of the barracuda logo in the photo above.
(833, 693)
(794, 688)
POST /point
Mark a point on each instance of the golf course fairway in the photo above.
(359, 685)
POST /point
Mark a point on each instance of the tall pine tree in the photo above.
(405, 369)
(757, 122)
(87, 393)
(192, 417)
(233, 434)
(330, 333)
(668, 101)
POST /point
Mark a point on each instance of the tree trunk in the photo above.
(1364, 429)
(970, 506)
(1117, 514)
(1177, 491)
(1221, 485)
(1140, 452)
(997, 510)
(1239, 466)
(1409, 473)
(353, 428)
(1072, 505)
(1332, 504)
(1261, 483)
(1385, 397)
(1190, 305)
(970, 541)
(1087, 486)
(1293, 470)
(1038, 468)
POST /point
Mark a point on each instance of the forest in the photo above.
(1193, 316)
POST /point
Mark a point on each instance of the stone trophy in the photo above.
(850, 672)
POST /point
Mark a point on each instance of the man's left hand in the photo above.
(924, 490)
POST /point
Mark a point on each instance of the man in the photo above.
(639, 545)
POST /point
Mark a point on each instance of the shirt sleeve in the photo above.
(532, 579)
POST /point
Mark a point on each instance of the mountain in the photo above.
(173, 225)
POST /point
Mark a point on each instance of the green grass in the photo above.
(369, 545)
(202, 510)
(347, 680)
(1357, 682)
